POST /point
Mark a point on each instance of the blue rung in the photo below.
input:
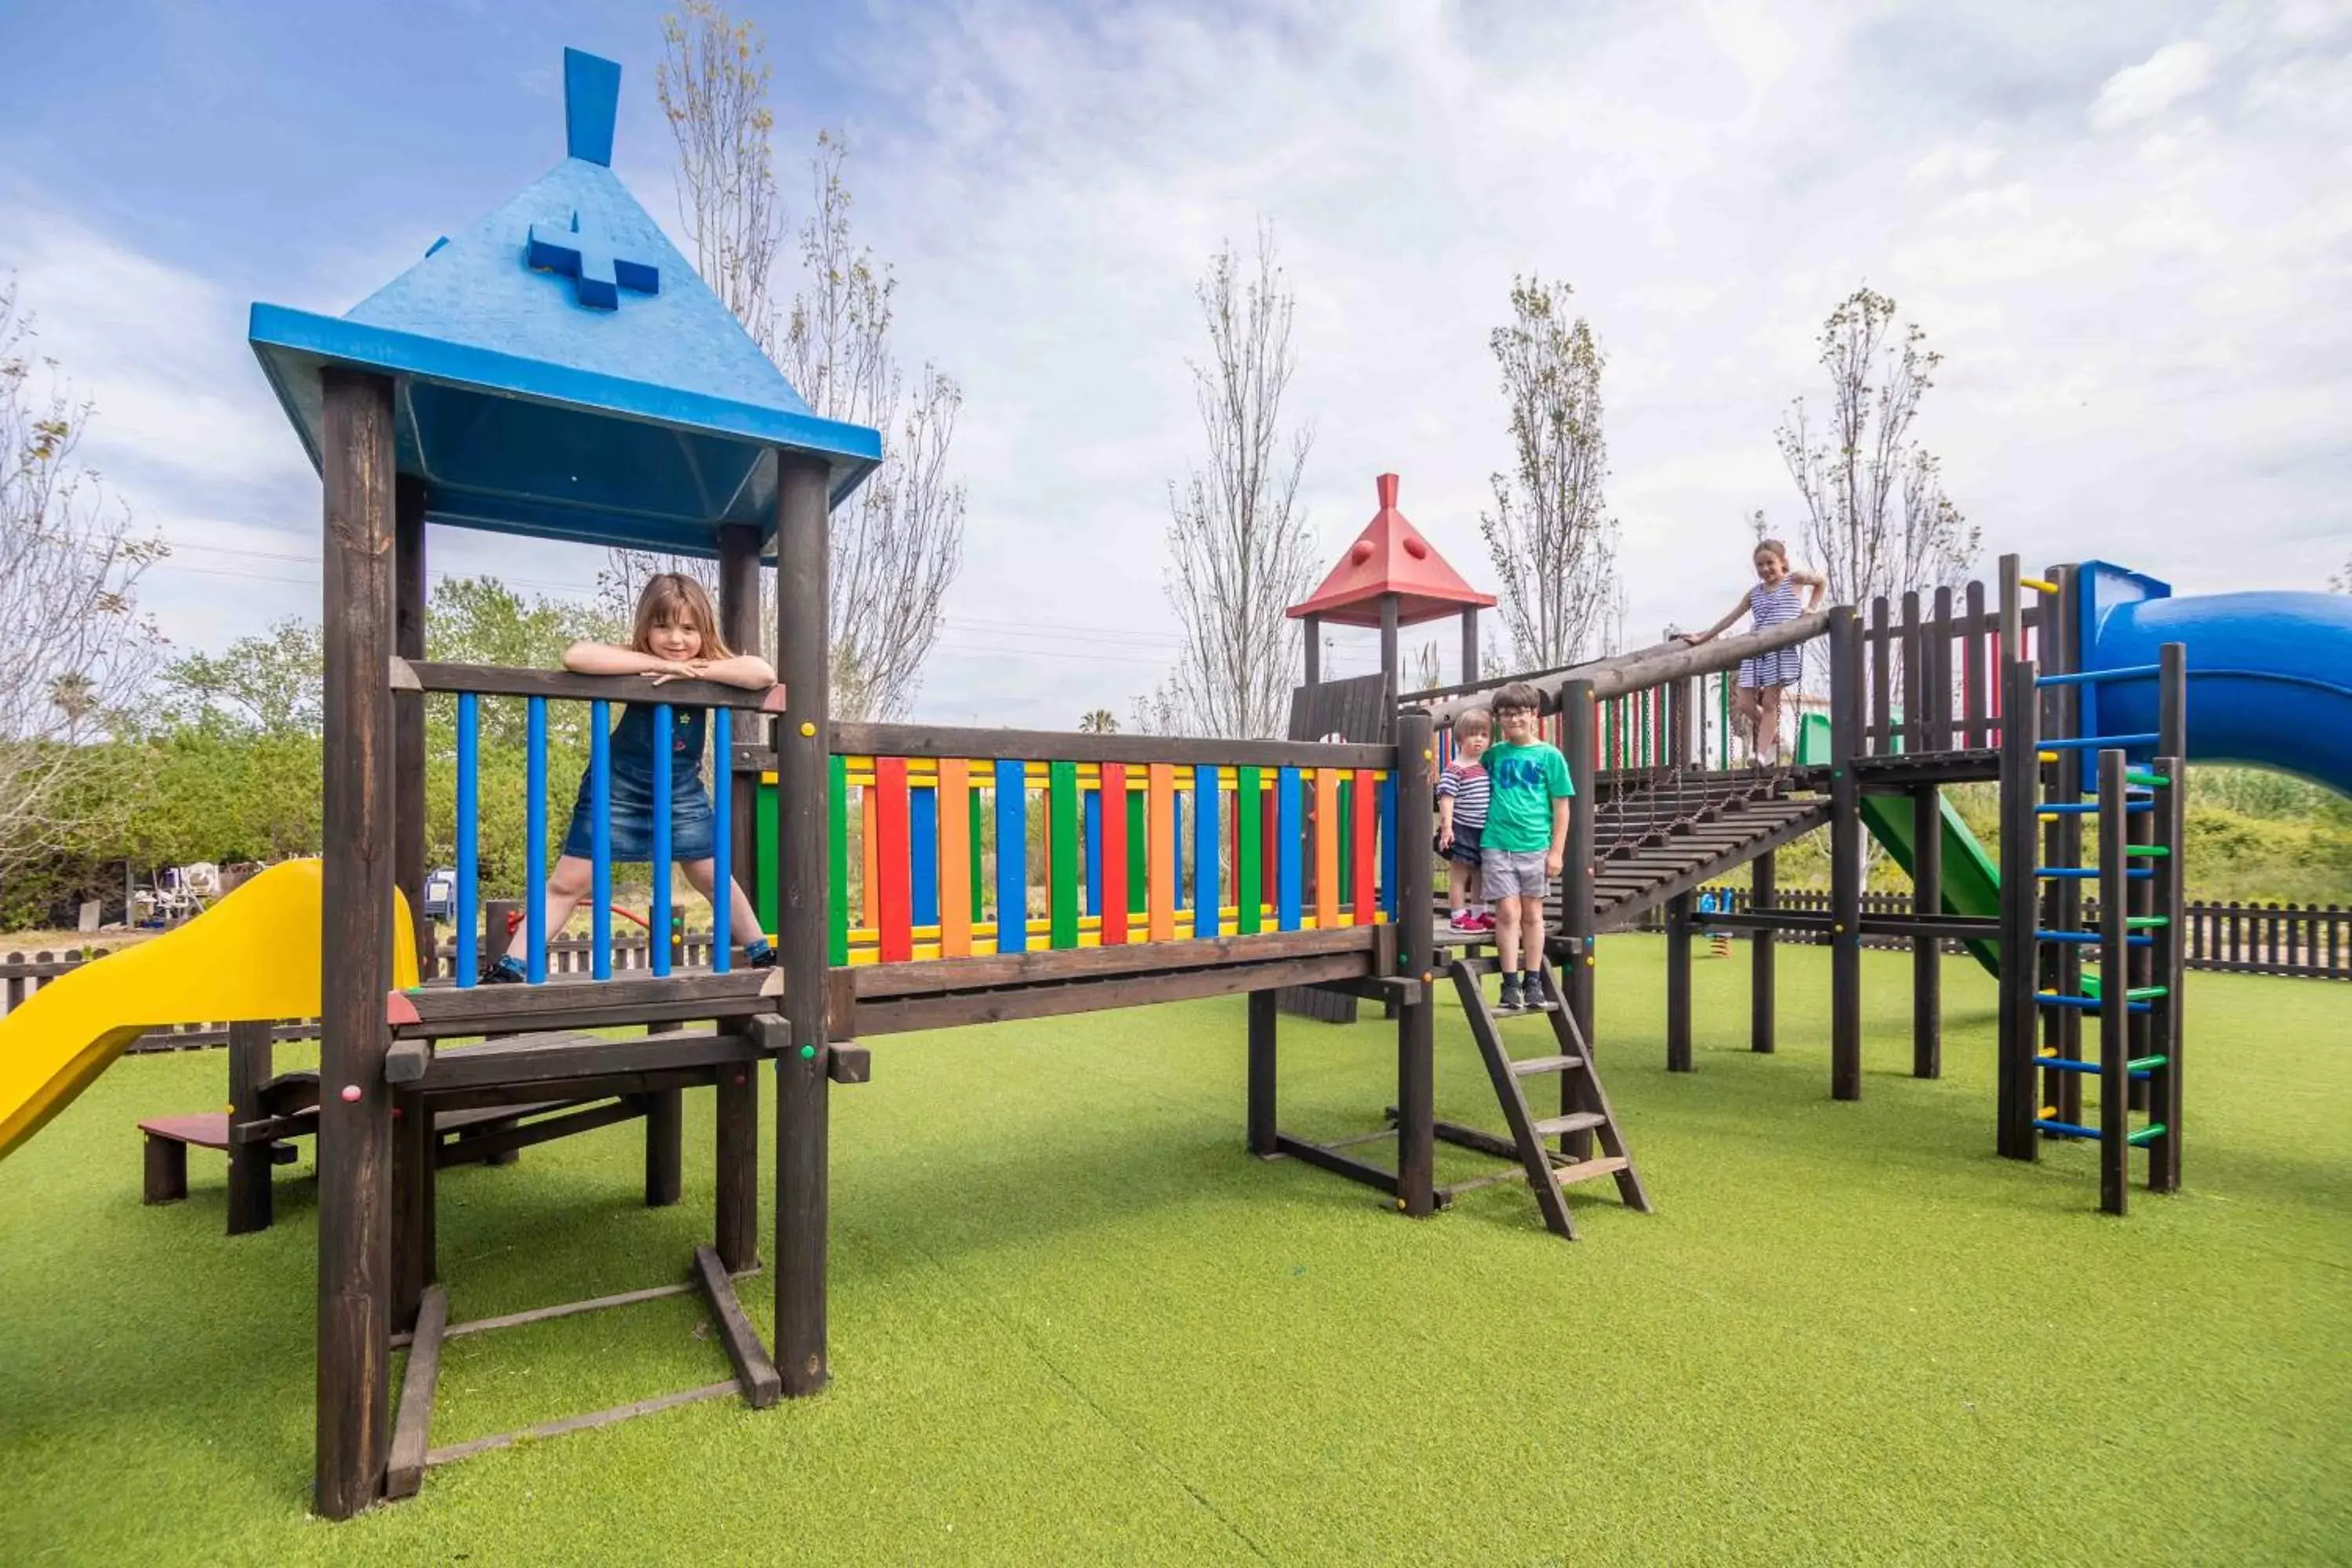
(2070, 1064)
(2089, 936)
(469, 836)
(2101, 743)
(2090, 807)
(2087, 873)
(723, 842)
(2065, 1129)
(2054, 999)
(2089, 676)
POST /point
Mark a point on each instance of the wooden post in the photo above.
(1577, 868)
(408, 714)
(1311, 629)
(1678, 984)
(1389, 634)
(415, 1154)
(804, 901)
(666, 1137)
(1927, 952)
(1882, 738)
(1944, 735)
(2169, 833)
(2115, 989)
(354, 1284)
(1261, 1042)
(2063, 1027)
(737, 1100)
(1469, 644)
(250, 1049)
(1416, 1020)
(1846, 859)
(1762, 895)
(2021, 776)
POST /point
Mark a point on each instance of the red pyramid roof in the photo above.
(1390, 557)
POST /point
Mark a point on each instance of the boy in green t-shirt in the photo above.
(1526, 834)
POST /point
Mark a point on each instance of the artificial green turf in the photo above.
(1072, 1322)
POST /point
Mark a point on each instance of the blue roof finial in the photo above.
(591, 98)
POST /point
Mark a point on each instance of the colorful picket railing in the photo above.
(1122, 852)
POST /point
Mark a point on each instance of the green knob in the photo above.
(808, 1053)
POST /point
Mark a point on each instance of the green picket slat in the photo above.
(837, 834)
(1139, 850)
(1069, 862)
(1249, 827)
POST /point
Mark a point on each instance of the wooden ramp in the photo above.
(1667, 836)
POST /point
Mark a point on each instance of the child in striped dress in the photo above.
(1756, 706)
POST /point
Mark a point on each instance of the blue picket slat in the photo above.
(923, 849)
(657, 917)
(469, 836)
(1012, 858)
(1206, 854)
(1289, 826)
(599, 833)
(1093, 850)
(723, 842)
(1389, 846)
(534, 852)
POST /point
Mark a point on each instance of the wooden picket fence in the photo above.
(2304, 941)
(22, 973)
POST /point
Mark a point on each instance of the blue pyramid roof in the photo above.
(561, 372)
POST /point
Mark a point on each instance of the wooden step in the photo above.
(1574, 1121)
(1585, 1170)
(1528, 1067)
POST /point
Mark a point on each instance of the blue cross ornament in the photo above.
(588, 257)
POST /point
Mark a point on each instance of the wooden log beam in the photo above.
(1624, 672)
(956, 1008)
(501, 680)
(1057, 746)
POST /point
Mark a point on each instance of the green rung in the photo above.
(2148, 1134)
(2148, 851)
(2143, 777)
(2143, 1064)
(2142, 993)
(2146, 922)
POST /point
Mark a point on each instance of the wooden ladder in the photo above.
(1585, 1114)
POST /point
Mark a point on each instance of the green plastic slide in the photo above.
(1972, 879)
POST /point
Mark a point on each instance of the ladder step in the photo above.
(2091, 807)
(2075, 1064)
(2051, 999)
(1528, 1067)
(2102, 743)
(2142, 1064)
(2144, 778)
(1585, 1170)
(2088, 873)
(2088, 936)
(2148, 851)
(2148, 1134)
(2141, 993)
(2146, 922)
(1574, 1121)
(2065, 1129)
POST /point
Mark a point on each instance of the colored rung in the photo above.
(2102, 743)
(2045, 756)
(2146, 922)
(2037, 584)
(2087, 936)
(2089, 807)
(2141, 993)
(2087, 873)
(2089, 676)
(2138, 1064)
(2065, 1129)
(2148, 851)
(2054, 999)
(2148, 1134)
(2074, 1064)
(2146, 780)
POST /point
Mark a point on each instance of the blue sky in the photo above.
(2128, 227)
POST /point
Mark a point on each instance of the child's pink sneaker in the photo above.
(1482, 921)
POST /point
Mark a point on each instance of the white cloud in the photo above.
(2142, 91)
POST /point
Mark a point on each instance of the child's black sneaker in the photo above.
(1531, 988)
(1510, 1000)
(503, 972)
(760, 957)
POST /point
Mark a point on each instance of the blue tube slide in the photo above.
(2269, 674)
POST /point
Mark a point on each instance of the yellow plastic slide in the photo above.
(252, 955)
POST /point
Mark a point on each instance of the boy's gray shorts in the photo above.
(1512, 874)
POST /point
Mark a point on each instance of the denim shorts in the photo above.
(1465, 847)
(1512, 874)
(691, 831)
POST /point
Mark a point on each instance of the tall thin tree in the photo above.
(1552, 537)
(1239, 552)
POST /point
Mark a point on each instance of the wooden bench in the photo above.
(169, 1138)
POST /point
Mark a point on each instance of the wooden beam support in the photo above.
(1763, 893)
(250, 1196)
(1678, 982)
(1263, 1040)
(411, 1435)
(1927, 946)
(753, 1370)
(354, 1278)
(408, 713)
(1416, 766)
(1846, 857)
(1057, 746)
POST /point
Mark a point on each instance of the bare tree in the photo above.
(1552, 540)
(1240, 551)
(76, 650)
(712, 82)
(897, 543)
(1876, 517)
(2342, 581)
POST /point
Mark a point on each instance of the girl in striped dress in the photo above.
(1756, 706)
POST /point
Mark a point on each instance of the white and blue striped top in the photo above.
(1773, 606)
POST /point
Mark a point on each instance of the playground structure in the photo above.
(558, 371)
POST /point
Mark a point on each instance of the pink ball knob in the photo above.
(350, 1094)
